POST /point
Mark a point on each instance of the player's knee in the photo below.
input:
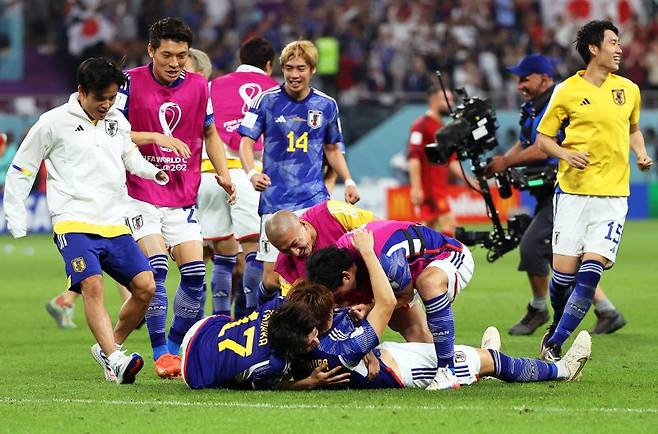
(92, 287)
(143, 287)
(432, 282)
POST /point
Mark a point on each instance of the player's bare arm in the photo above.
(217, 156)
(259, 180)
(148, 137)
(385, 300)
(644, 162)
(549, 145)
(336, 161)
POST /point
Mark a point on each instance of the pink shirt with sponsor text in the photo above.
(231, 95)
(181, 110)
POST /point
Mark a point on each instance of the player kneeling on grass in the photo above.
(87, 149)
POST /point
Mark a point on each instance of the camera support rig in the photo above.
(470, 133)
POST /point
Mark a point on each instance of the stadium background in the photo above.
(377, 58)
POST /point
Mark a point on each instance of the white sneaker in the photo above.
(491, 339)
(100, 358)
(577, 356)
(443, 380)
(126, 367)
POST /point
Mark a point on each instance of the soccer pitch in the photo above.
(50, 383)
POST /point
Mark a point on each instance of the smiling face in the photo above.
(296, 241)
(97, 103)
(169, 60)
(531, 86)
(608, 56)
(297, 77)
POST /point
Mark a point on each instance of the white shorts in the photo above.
(417, 363)
(218, 219)
(186, 340)
(459, 267)
(266, 251)
(176, 225)
(588, 224)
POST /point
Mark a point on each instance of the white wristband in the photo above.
(251, 173)
(349, 182)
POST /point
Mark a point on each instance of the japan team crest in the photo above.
(137, 222)
(78, 264)
(314, 119)
(111, 127)
(618, 96)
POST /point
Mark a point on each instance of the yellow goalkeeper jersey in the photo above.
(598, 121)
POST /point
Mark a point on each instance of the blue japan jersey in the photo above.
(295, 133)
(234, 354)
(344, 345)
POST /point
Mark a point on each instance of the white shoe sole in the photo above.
(578, 355)
(491, 339)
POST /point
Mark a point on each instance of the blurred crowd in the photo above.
(366, 46)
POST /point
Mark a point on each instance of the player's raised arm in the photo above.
(21, 176)
(385, 300)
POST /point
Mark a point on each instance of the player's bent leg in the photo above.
(560, 288)
(432, 285)
(580, 300)
(133, 310)
(189, 257)
(411, 322)
(97, 317)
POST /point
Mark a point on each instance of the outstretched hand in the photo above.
(176, 145)
(363, 241)
(324, 377)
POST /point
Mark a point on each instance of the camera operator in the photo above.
(536, 85)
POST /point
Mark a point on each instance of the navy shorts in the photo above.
(86, 255)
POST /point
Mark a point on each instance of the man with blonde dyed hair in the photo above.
(300, 125)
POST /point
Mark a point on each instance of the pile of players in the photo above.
(268, 142)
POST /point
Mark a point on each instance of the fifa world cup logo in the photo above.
(169, 115)
(249, 92)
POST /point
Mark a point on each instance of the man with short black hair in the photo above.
(590, 204)
(87, 149)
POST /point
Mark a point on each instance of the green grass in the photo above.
(50, 383)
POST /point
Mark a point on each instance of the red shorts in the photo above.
(433, 207)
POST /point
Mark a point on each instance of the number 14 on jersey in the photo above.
(300, 142)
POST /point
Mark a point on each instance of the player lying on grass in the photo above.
(412, 256)
(220, 353)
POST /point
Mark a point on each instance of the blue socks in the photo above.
(442, 326)
(264, 295)
(521, 370)
(579, 302)
(560, 288)
(156, 314)
(253, 274)
(222, 282)
(186, 303)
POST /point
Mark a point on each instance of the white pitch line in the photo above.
(515, 408)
